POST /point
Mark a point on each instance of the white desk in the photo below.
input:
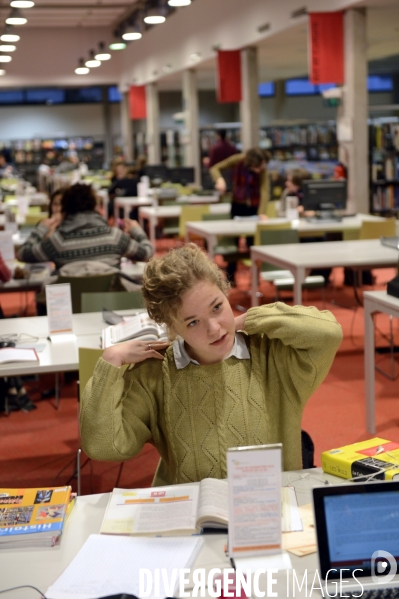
(40, 567)
(153, 213)
(300, 257)
(374, 301)
(211, 230)
(127, 203)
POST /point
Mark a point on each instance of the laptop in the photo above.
(358, 538)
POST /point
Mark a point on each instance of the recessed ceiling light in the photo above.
(155, 17)
(10, 37)
(7, 48)
(117, 46)
(179, 2)
(131, 36)
(22, 3)
(92, 63)
(82, 70)
(4, 58)
(16, 18)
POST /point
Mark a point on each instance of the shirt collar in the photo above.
(182, 359)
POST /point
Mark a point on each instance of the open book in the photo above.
(172, 510)
(16, 354)
(139, 326)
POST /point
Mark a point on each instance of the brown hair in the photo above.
(255, 156)
(58, 192)
(78, 198)
(166, 279)
(298, 176)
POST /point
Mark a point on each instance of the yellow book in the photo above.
(32, 516)
(377, 457)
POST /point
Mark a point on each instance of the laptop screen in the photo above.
(356, 524)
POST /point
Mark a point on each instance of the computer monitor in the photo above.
(324, 196)
(182, 175)
(156, 171)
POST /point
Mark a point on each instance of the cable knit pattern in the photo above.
(195, 414)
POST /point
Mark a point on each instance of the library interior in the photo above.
(199, 298)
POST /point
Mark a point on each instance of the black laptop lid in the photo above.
(356, 526)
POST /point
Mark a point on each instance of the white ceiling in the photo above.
(58, 32)
(73, 13)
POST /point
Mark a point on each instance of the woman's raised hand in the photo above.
(132, 352)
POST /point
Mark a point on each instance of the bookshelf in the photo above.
(384, 166)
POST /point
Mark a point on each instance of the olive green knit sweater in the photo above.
(195, 414)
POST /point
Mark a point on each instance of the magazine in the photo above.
(33, 516)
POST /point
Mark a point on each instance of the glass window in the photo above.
(114, 94)
(266, 89)
(12, 96)
(84, 94)
(379, 83)
(300, 87)
(45, 96)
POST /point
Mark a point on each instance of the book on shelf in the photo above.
(17, 354)
(376, 458)
(139, 326)
(33, 517)
(181, 509)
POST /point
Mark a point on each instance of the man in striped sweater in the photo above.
(81, 233)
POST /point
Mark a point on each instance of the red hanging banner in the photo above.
(229, 76)
(326, 40)
(137, 102)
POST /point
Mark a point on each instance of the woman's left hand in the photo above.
(240, 322)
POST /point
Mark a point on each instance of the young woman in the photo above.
(214, 387)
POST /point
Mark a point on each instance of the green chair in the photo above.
(226, 245)
(79, 285)
(111, 300)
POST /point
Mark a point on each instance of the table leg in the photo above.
(152, 224)
(369, 367)
(211, 241)
(255, 279)
(299, 277)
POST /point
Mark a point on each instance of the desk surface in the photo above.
(175, 211)
(367, 252)
(42, 566)
(87, 328)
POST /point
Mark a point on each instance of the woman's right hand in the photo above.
(220, 185)
(134, 351)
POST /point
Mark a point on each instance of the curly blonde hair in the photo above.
(166, 279)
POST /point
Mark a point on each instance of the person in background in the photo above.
(223, 382)
(114, 165)
(81, 233)
(250, 188)
(6, 168)
(221, 150)
(55, 205)
(141, 164)
(293, 187)
(124, 184)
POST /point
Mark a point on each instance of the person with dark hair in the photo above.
(6, 168)
(124, 184)
(55, 205)
(81, 233)
(251, 187)
(222, 149)
(293, 187)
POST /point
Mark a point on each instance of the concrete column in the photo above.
(353, 114)
(191, 123)
(153, 133)
(126, 128)
(249, 106)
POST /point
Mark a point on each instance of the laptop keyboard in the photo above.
(392, 593)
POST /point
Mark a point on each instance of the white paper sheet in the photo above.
(107, 565)
(59, 308)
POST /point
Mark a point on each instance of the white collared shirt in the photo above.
(182, 359)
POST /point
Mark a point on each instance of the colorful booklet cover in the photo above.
(377, 459)
(32, 516)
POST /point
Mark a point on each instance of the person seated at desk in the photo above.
(214, 387)
(250, 191)
(124, 184)
(79, 232)
(293, 187)
(55, 205)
